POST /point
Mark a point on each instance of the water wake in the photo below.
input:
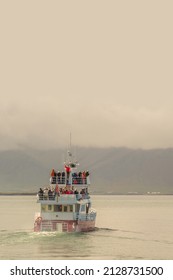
(105, 229)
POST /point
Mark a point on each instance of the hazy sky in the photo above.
(102, 70)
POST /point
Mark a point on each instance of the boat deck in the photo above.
(62, 198)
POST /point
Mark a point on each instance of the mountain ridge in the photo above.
(113, 170)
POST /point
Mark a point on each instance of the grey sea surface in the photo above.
(127, 227)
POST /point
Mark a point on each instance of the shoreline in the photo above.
(17, 194)
(129, 194)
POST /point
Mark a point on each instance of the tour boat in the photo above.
(65, 206)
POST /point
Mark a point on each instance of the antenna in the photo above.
(69, 154)
(70, 141)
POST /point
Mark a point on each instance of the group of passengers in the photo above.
(66, 177)
(67, 190)
(80, 178)
(46, 193)
(49, 193)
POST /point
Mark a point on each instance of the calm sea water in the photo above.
(127, 227)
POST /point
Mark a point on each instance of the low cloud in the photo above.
(43, 128)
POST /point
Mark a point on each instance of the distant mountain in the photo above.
(113, 170)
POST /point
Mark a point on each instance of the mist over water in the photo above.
(127, 227)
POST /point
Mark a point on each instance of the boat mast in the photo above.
(70, 142)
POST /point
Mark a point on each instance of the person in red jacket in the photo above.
(68, 170)
(52, 174)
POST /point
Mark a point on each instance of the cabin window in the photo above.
(65, 208)
(57, 208)
(49, 207)
(43, 208)
(77, 207)
(82, 208)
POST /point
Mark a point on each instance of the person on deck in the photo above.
(52, 174)
(68, 170)
(59, 177)
(83, 177)
(63, 177)
(87, 177)
(40, 194)
(52, 177)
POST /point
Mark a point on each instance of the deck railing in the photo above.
(71, 180)
(45, 197)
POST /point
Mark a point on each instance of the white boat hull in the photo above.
(64, 226)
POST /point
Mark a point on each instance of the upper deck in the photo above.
(70, 184)
(74, 179)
